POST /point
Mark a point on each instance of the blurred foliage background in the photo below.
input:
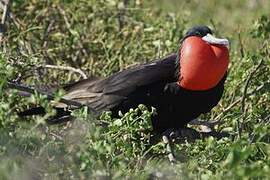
(102, 37)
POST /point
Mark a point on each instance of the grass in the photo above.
(103, 37)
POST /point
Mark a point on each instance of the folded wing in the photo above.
(104, 94)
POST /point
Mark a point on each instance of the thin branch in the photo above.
(239, 99)
(242, 51)
(243, 100)
(66, 68)
(266, 119)
(45, 42)
(265, 122)
(2, 4)
(247, 84)
(169, 149)
(122, 13)
(63, 13)
(56, 136)
(5, 5)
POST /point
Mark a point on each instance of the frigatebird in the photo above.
(180, 86)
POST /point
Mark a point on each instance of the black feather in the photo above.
(153, 84)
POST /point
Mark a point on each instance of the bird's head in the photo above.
(203, 59)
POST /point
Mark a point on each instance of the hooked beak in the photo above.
(213, 40)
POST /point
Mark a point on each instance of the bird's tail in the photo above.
(32, 111)
(61, 115)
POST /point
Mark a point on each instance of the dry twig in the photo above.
(66, 68)
(247, 84)
(5, 6)
(169, 148)
(63, 13)
(240, 99)
(243, 100)
(242, 52)
(122, 13)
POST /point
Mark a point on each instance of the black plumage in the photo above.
(153, 84)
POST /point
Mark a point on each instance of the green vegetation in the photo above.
(101, 37)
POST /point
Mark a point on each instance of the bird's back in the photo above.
(129, 86)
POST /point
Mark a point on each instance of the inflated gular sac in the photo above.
(202, 64)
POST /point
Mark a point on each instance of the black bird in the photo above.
(180, 86)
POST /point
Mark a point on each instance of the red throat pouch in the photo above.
(202, 65)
